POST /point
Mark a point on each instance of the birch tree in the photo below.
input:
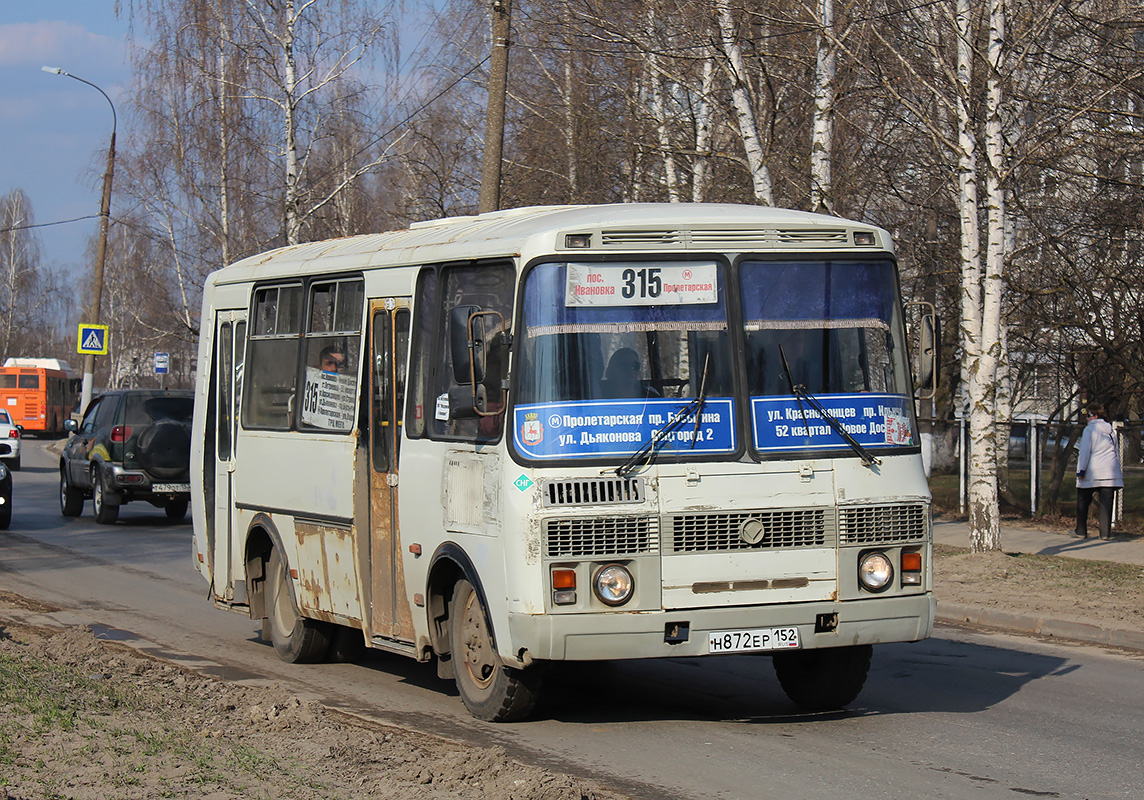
(744, 107)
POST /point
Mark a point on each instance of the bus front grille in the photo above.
(880, 524)
(592, 491)
(600, 536)
(750, 530)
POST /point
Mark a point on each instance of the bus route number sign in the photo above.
(641, 284)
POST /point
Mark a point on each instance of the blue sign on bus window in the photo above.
(597, 428)
(874, 420)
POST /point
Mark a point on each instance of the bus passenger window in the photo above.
(273, 369)
(328, 397)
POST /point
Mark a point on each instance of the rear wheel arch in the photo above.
(261, 539)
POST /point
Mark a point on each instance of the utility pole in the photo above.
(494, 113)
(101, 248)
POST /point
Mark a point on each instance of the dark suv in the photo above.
(133, 444)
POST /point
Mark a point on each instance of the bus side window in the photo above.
(439, 291)
(273, 365)
(332, 355)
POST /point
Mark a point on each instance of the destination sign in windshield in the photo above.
(642, 284)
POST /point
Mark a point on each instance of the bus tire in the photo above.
(71, 500)
(297, 640)
(825, 679)
(105, 513)
(490, 690)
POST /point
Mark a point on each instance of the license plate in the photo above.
(170, 487)
(757, 639)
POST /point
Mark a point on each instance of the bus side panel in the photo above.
(327, 570)
(309, 479)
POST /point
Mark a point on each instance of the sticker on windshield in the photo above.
(596, 429)
(873, 420)
(643, 284)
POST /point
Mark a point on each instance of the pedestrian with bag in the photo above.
(1098, 472)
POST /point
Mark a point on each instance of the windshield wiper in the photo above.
(649, 449)
(801, 394)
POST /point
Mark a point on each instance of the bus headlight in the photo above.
(875, 571)
(613, 584)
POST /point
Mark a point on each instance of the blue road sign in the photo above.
(92, 340)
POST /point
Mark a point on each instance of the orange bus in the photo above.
(38, 393)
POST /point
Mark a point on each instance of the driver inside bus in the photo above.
(622, 376)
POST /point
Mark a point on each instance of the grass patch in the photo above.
(1071, 575)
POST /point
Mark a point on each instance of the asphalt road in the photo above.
(966, 714)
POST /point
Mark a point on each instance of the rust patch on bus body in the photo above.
(327, 579)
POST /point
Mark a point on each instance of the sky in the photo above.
(54, 131)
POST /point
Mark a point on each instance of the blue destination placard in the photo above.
(874, 420)
(592, 429)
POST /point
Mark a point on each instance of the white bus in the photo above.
(568, 434)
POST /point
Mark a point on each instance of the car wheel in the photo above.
(71, 500)
(104, 514)
(490, 690)
(296, 639)
(15, 465)
(6, 513)
(176, 509)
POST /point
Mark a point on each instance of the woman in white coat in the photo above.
(1097, 472)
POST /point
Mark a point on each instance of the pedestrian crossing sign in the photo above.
(92, 340)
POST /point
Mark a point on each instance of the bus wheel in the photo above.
(826, 679)
(490, 690)
(71, 500)
(104, 514)
(296, 639)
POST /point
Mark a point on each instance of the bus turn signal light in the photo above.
(912, 568)
(563, 587)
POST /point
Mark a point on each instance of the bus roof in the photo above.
(38, 363)
(613, 228)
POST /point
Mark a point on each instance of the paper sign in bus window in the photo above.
(328, 400)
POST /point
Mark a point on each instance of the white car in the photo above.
(10, 441)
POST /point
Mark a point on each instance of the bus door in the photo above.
(389, 344)
(230, 347)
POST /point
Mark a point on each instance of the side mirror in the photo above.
(929, 351)
(466, 403)
(70, 425)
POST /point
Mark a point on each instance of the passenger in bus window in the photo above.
(331, 359)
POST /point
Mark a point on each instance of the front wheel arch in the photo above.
(450, 565)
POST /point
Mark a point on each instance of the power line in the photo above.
(49, 224)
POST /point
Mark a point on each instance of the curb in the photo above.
(958, 614)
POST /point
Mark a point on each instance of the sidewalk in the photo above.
(1021, 539)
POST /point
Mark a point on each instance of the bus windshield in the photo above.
(837, 325)
(612, 351)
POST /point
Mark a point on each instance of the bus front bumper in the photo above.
(656, 634)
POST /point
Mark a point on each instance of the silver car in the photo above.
(10, 434)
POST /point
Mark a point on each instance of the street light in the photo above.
(101, 249)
